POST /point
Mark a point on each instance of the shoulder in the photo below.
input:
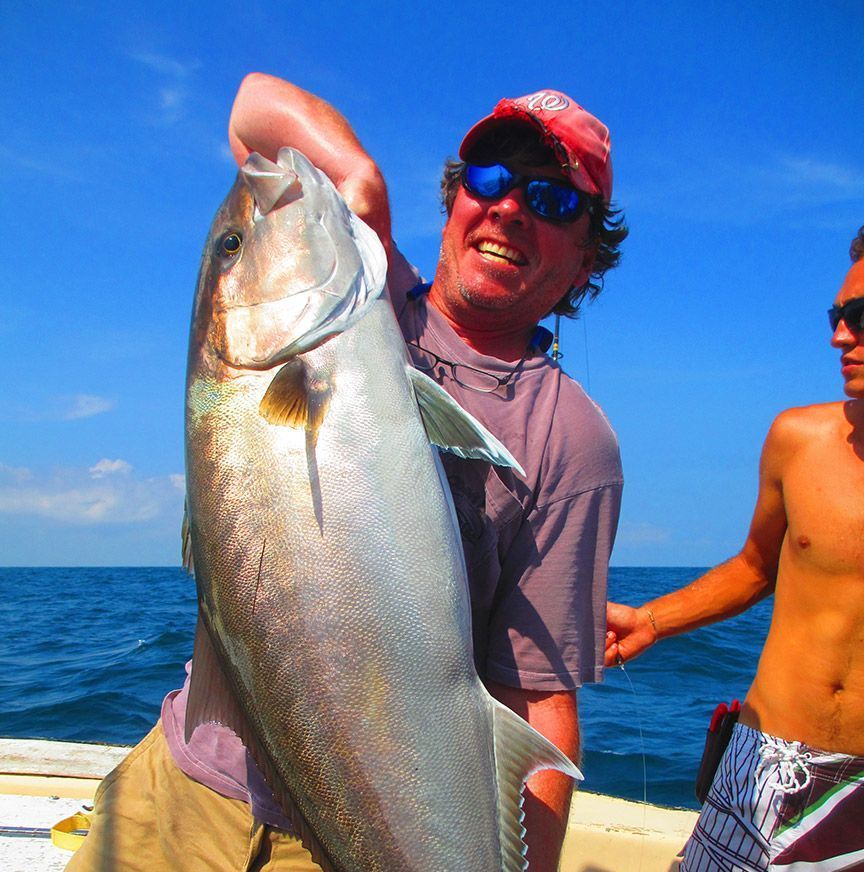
(804, 423)
(582, 448)
(803, 427)
(578, 418)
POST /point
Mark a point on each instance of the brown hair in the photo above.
(856, 249)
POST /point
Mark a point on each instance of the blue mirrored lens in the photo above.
(558, 202)
(490, 182)
(555, 201)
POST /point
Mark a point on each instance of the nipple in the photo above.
(803, 542)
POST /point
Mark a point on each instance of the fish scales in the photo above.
(328, 560)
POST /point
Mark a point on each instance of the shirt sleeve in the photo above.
(547, 630)
(402, 276)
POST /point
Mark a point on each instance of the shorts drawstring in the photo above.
(792, 773)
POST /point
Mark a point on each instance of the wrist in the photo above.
(653, 621)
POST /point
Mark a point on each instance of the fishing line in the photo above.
(644, 761)
(587, 364)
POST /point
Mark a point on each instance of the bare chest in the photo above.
(823, 492)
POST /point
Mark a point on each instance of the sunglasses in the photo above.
(551, 199)
(467, 376)
(852, 313)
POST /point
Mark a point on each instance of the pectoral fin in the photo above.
(452, 429)
(520, 751)
(297, 397)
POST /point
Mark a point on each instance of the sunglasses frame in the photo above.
(455, 367)
(848, 311)
(524, 182)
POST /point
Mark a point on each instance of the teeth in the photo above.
(510, 254)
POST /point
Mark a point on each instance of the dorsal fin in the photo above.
(297, 397)
(520, 751)
(271, 183)
(451, 428)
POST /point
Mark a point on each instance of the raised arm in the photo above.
(727, 589)
(269, 113)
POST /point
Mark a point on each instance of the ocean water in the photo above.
(87, 654)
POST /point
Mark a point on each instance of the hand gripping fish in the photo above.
(331, 582)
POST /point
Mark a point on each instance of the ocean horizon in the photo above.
(90, 652)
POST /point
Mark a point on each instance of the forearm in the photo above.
(720, 593)
(270, 113)
(547, 793)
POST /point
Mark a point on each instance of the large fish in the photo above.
(332, 587)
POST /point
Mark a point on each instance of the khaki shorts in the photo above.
(148, 816)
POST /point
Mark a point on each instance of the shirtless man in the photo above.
(800, 737)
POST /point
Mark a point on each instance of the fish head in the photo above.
(286, 266)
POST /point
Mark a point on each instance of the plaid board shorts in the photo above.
(780, 806)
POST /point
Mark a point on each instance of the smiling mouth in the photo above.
(494, 251)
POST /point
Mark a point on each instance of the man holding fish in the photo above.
(530, 231)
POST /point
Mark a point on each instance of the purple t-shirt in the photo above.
(537, 547)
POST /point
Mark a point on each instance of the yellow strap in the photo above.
(64, 833)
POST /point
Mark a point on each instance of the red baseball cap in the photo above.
(578, 139)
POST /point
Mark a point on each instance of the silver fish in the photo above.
(332, 586)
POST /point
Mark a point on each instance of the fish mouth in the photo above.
(498, 252)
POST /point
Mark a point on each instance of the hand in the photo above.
(366, 195)
(269, 112)
(629, 632)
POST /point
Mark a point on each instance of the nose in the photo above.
(511, 208)
(844, 337)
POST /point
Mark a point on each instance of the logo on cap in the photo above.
(543, 100)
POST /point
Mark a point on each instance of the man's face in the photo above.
(851, 342)
(503, 266)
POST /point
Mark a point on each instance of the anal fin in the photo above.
(211, 697)
(520, 751)
(212, 700)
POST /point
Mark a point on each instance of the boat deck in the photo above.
(42, 782)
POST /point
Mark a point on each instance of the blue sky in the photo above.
(738, 144)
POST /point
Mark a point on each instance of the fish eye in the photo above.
(230, 244)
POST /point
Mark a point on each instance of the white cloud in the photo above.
(62, 408)
(84, 406)
(21, 162)
(107, 467)
(172, 95)
(14, 474)
(171, 98)
(106, 493)
(641, 533)
(164, 65)
(743, 192)
(802, 181)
